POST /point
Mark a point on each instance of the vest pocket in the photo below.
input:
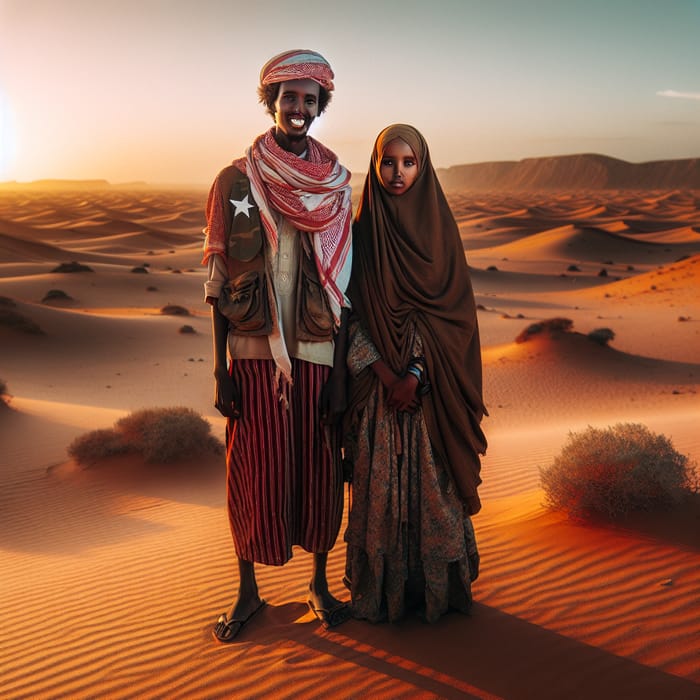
(314, 317)
(243, 301)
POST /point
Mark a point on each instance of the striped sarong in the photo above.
(284, 485)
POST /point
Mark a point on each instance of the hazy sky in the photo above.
(164, 91)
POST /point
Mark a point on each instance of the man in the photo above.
(278, 253)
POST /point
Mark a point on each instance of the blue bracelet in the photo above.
(416, 373)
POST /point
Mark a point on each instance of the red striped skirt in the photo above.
(284, 483)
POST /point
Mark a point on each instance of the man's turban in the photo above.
(299, 64)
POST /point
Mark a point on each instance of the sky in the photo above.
(165, 91)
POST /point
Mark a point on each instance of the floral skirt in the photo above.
(411, 543)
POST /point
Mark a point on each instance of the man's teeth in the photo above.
(297, 122)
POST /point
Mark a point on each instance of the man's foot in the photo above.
(330, 611)
(228, 626)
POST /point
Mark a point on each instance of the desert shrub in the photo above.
(602, 336)
(616, 470)
(56, 295)
(141, 270)
(7, 302)
(174, 310)
(187, 329)
(4, 396)
(551, 325)
(15, 320)
(96, 445)
(160, 435)
(167, 434)
(72, 267)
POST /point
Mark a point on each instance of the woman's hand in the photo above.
(227, 397)
(401, 391)
(402, 394)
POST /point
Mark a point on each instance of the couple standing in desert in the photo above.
(337, 337)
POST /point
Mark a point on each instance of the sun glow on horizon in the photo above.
(159, 91)
(9, 138)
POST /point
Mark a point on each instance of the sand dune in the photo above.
(572, 244)
(681, 277)
(114, 575)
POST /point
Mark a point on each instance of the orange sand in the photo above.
(112, 577)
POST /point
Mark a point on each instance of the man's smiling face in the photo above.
(296, 107)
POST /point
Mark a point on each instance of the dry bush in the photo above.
(72, 267)
(4, 396)
(168, 434)
(616, 470)
(551, 326)
(15, 320)
(56, 295)
(160, 435)
(98, 444)
(174, 310)
(602, 336)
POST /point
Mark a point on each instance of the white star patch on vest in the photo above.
(243, 206)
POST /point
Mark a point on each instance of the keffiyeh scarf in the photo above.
(313, 194)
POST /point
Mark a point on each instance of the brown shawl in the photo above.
(409, 267)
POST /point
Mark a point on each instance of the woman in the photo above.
(413, 435)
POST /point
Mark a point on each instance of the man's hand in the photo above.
(227, 397)
(333, 399)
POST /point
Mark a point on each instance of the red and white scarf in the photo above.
(313, 193)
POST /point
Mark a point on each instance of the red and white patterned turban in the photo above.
(299, 64)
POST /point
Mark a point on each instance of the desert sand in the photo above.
(112, 577)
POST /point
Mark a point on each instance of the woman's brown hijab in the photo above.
(409, 267)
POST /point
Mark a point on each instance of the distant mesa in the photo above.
(573, 172)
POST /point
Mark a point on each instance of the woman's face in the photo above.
(398, 167)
